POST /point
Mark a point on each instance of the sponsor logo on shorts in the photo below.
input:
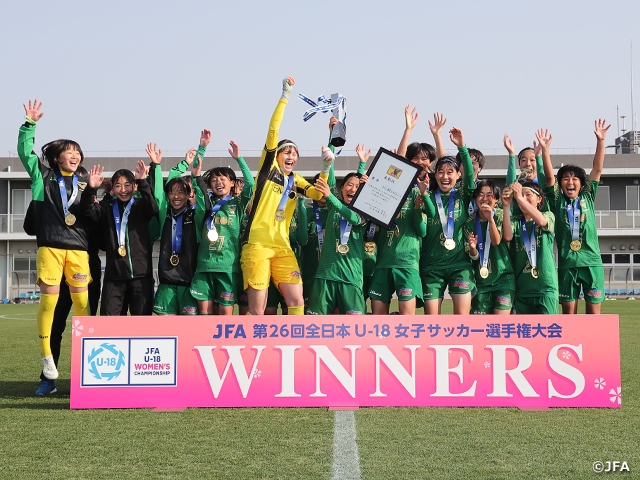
(227, 295)
(405, 291)
(189, 310)
(461, 284)
(296, 274)
(309, 312)
(194, 292)
(80, 277)
(373, 292)
(354, 312)
(595, 293)
(502, 300)
(158, 308)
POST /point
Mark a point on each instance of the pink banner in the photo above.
(342, 361)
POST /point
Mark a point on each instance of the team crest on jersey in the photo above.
(231, 209)
(189, 310)
(405, 291)
(593, 293)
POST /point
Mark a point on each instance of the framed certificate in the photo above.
(391, 178)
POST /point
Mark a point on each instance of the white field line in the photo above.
(346, 462)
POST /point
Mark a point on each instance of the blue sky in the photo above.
(115, 75)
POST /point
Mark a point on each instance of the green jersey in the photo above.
(400, 247)
(223, 254)
(547, 281)
(589, 253)
(371, 235)
(434, 253)
(501, 275)
(333, 265)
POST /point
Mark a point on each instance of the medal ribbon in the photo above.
(176, 232)
(370, 232)
(121, 227)
(285, 193)
(573, 212)
(317, 107)
(484, 244)
(221, 203)
(448, 218)
(316, 214)
(63, 192)
(530, 242)
(345, 230)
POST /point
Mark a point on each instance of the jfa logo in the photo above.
(104, 362)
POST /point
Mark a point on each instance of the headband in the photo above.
(532, 190)
(288, 144)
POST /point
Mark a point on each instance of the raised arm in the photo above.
(544, 140)
(512, 175)
(410, 119)
(525, 207)
(26, 138)
(598, 160)
(436, 129)
(276, 119)
(456, 136)
(507, 228)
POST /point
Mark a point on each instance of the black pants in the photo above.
(136, 293)
(63, 307)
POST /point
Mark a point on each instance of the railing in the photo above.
(614, 219)
(11, 223)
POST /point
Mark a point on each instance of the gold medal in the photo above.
(576, 245)
(534, 272)
(70, 219)
(280, 216)
(343, 248)
(122, 250)
(174, 260)
(449, 244)
(369, 247)
(212, 235)
(484, 272)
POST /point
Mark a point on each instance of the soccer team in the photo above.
(225, 240)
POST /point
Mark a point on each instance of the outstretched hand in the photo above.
(33, 110)
(544, 138)
(410, 117)
(234, 151)
(205, 137)
(508, 144)
(438, 123)
(473, 241)
(287, 86)
(363, 154)
(96, 176)
(190, 155)
(323, 187)
(506, 197)
(155, 154)
(601, 130)
(333, 121)
(141, 170)
(455, 134)
(327, 155)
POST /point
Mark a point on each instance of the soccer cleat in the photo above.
(49, 369)
(47, 387)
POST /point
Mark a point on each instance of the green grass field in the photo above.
(42, 438)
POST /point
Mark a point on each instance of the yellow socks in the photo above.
(45, 320)
(296, 310)
(81, 303)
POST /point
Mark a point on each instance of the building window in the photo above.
(633, 200)
(602, 198)
(622, 258)
(607, 258)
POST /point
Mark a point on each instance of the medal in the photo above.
(122, 250)
(70, 219)
(343, 248)
(447, 220)
(212, 235)
(534, 272)
(484, 272)
(449, 244)
(280, 216)
(576, 245)
(369, 247)
(174, 260)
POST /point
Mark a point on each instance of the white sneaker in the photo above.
(49, 369)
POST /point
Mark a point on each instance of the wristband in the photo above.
(476, 257)
(29, 120)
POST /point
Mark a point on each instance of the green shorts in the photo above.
(174, 300)
(486, 302)
(545, 304)
(307, 288)
(435, 281)
(405, 282)
(366, 285)
(591, 279)
(327, 295)
(275, 298)
(220, 287)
